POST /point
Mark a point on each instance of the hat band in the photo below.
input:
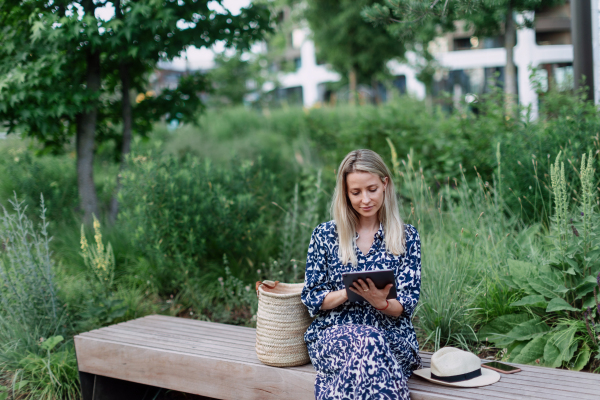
(458, 378)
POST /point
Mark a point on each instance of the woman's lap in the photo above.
(356, 362)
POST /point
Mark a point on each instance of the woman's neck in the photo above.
(368, 223)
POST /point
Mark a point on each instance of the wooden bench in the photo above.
(219, 361)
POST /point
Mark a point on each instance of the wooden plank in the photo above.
(220, 379)
(216, 335)
(202, 326)
(167, 334)
(215, 353)
(156, 336)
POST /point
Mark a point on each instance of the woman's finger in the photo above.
(371, 284)
(362, 284)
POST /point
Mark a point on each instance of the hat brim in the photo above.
(487, 378)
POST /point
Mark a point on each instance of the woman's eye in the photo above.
(373, 190)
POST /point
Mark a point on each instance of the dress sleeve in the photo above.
(316, 280)
(408, 278)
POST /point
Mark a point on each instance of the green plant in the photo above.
(48, 374)
(27, 289)
(560, 292)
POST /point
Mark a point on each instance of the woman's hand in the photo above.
(376, 297)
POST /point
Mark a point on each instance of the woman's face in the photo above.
(365, 191)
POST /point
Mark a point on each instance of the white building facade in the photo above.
(546, 47)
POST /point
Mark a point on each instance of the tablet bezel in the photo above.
(380, 278)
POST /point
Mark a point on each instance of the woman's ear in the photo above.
(385, 182)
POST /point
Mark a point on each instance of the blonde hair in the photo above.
(346, 217)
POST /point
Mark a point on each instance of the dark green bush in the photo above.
(185, 214)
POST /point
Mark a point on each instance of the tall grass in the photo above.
(467, 235)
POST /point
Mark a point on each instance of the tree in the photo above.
(422, 20)
(64, 72)
(230, 78)
(348, 43)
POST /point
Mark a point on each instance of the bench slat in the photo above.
(219, 361)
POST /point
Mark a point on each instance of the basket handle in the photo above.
(269, 285)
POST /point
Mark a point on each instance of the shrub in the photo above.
(184, 214)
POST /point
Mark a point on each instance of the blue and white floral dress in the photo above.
(359, 352)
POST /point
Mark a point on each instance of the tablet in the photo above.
(380, 278)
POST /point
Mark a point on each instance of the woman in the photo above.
(362, 350)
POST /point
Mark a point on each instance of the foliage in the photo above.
(54, 55)
(50, 374)
(233, 78)
(27, 291)
(560, 292)
(192, 212)
(347, 42)
(31, 311)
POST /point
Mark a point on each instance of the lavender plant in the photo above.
(27, 290)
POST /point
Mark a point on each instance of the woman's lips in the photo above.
(367, 208)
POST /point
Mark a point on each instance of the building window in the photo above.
(297, 63)
(400, 83)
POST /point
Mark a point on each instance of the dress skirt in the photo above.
(356, 362)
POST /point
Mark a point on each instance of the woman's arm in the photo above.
(408, 276)
(334, 299)
(317, 286)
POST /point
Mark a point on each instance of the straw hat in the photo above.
(454, 367)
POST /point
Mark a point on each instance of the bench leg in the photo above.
(98, 387)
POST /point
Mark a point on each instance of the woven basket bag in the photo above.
(281, 321)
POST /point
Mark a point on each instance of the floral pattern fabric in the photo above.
(359, 352)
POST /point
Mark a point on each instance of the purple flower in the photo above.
(598, 279)
(582, 214)
(575, 231)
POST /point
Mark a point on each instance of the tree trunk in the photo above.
(352, 83)
(126, 143)
(510, 71)
(375, 89)
(86, 132)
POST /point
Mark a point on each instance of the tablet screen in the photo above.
(380, 278)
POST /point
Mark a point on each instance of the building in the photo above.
(466, 63)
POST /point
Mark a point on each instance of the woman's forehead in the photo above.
(361, 179)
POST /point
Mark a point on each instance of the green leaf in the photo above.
(20, 385)
(528, 330)
(542, 289)
(534, 300)
(561, 289)
(589, 302)
(514, 350)
(51, 342)
(521, 273)
(557, 304)
(496, 330)
(570, 271)
(552, 355)
(534, 350)
(564, 342)
(583, 357)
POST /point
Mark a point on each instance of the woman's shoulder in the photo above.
(411, 232)
(326, 230)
